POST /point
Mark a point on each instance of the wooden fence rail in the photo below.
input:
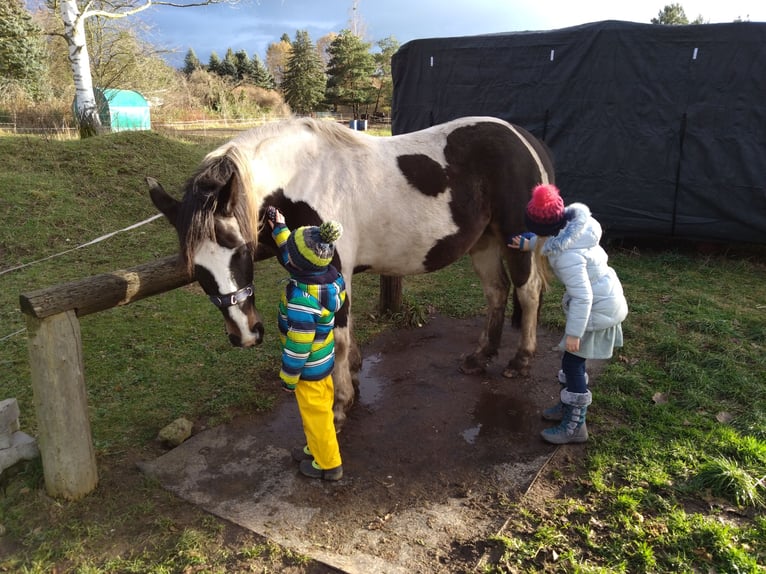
(56, 364)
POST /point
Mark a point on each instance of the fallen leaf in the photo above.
(723, 417)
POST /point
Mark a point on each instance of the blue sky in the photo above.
(253, 24)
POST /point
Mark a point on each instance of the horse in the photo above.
(409, 204)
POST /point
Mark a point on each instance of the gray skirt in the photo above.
(597, 344)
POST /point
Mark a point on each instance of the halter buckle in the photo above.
(231, 299)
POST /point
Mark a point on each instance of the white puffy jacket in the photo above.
(594, 299)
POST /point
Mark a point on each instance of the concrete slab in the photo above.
(427, 452)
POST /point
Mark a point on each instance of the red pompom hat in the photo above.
(545, 211)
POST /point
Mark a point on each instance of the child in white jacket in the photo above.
(594, 302)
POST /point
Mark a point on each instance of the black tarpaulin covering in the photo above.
(661, 130)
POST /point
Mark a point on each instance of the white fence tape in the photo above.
(91, 242)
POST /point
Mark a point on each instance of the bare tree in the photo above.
(74, 14)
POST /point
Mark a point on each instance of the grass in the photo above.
(673, 478)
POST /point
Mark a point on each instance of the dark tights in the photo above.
(574, 369)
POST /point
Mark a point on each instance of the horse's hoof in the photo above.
(471, 366)
(513, 371)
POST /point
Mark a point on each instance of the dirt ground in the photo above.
(431, 459)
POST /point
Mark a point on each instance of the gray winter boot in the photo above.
(572, 427)
(556, 412)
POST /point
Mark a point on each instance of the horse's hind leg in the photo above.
(528, 280)
(487, 260)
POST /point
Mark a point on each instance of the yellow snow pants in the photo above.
(315, 401)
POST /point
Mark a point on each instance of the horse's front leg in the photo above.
(487, 260)
(342, 375)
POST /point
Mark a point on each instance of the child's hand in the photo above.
(573, 344)
(523, 242)
(274, 216)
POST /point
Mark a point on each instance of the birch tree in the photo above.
(74, 14)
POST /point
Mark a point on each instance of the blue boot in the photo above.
(572, 427)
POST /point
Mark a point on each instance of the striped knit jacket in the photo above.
(307, 318)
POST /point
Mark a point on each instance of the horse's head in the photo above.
(216, 245)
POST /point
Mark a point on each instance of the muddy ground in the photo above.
(431, 457)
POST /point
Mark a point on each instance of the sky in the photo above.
(252, 25)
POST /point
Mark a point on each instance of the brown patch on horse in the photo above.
(423, 173)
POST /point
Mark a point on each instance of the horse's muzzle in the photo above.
(255, 339)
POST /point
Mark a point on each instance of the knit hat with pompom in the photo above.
(545, 211)
(311, 248)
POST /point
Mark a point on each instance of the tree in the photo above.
(304, 80)
(22, 51)
(74, 14)
(674, 15)
(228, 67)
(120, 59)
(243, 65)
(214, 63)
(384, 81)
(277, 55)
(350, 72)
(261, 76)
(191, 62)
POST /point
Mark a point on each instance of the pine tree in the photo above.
(228, 67)
(214, 64)
(350, 72)
(22, 51)
(304, 80)
(243, 65)
(191, 62)
(261, 76)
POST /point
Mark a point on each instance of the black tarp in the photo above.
(661, 130)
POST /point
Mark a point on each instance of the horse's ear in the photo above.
(167, 205)
(228, 196)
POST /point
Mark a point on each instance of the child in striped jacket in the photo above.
(314, 293)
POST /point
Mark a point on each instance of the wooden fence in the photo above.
(56, 361)
(56, 364)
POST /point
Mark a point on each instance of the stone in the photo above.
(9, 421)
(176, 432)
(23, 447)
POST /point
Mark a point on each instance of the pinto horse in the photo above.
(409, 204)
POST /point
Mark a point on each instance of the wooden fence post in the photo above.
(390, 294)
(58, 384)
(56, 363)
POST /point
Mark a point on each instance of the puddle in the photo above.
(371, 388)
(469, 435)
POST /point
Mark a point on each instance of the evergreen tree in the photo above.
(350, 72)
(261, 76)
(22, 51)
(228, 67)
(304, 80)
(214, 64)
(191, 62)
(243, 65)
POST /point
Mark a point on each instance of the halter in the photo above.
(230, 299)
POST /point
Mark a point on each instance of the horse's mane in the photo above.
(230, 164)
